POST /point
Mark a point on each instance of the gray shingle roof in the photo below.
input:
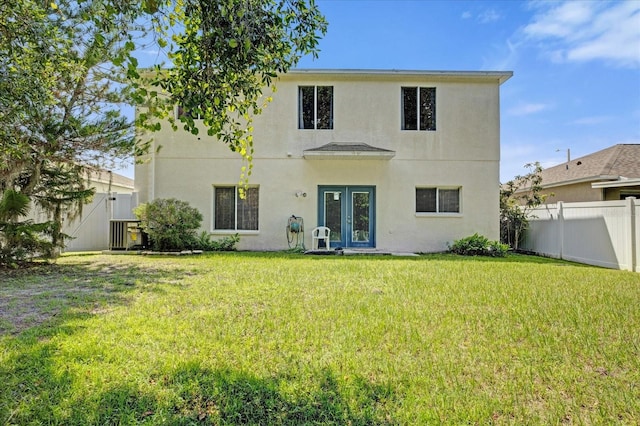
(622, 160)
(344, 147)
(348, 151)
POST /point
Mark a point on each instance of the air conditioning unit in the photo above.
(124, 234)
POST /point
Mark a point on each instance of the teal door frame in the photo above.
(349, 211)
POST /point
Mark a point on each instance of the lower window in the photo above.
(437, 200)
(234, 213)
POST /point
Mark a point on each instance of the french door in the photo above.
(349, 211)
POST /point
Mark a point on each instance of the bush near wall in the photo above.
(478, 245)
(170, 224)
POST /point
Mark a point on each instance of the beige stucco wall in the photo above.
(573, 193)
(464, 151)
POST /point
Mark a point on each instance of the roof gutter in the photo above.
(606, 178)
(501, 76)
(617, 183)
(581, 180)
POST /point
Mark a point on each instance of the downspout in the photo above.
(152, 171)
(633, 241)
(560, 229)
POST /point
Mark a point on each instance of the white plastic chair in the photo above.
(320, 233)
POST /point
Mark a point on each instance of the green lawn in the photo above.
(249, 338)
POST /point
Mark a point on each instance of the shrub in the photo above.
(478, 245)
(517, 198)
(170, 224)
(204, 242)
(22, 239)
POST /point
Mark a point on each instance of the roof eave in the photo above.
(580, 180)
(500, 76)
(348, 155)
(616, 183)
(588, 179)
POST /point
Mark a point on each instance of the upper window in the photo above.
(234, 213)
(315, 107)
(437, 200)
(419, 108)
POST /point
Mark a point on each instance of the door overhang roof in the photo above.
(348, 151)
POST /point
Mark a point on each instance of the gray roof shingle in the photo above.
(617, 161)
(348, 151)
(343, 147)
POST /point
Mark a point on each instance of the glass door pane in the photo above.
(360, 217)
(333, 214)
(349, 211)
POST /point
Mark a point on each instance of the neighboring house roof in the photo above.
(617, 162)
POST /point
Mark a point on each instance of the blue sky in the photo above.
(576, 64)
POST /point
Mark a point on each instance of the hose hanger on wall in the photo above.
(295, 232)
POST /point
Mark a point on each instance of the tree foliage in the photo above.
(21, 238)
(67, 68)
(517, 198)
(226, 53)
(60, 108)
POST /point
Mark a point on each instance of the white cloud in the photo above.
(488, 16)
(527, 109)
(560, 21)
(586, 31)
(590, 121)
(503, 56)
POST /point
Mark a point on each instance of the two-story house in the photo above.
(393, 160)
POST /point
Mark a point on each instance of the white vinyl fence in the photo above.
(91, 231)
(602, 233)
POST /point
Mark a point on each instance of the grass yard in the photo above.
(250, 338)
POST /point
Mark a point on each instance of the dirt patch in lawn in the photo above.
(31, 296)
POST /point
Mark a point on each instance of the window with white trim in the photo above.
(315, 107)
(234, 213)
(418, 108)
(437, 200)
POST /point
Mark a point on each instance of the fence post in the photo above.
(631, 205)
(560, 228)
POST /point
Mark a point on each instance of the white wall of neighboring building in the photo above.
(113, 199)
(463, 152)
(105, 181)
